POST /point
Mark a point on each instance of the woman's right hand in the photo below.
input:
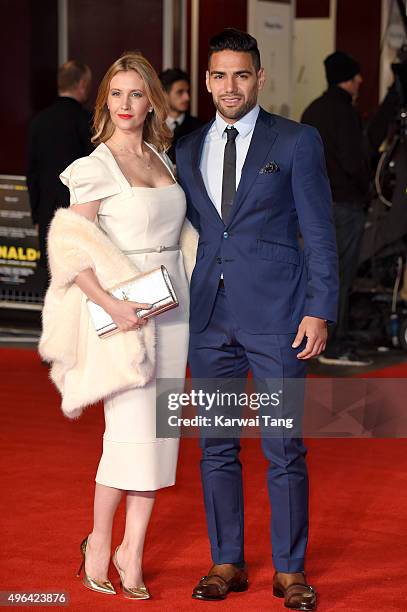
(123, 313)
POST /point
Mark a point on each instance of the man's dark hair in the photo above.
(70, 73)
(170, 76)
(235, 40)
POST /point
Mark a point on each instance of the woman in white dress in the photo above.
(127, 187)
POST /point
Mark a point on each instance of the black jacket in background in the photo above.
(348, 147)
(189, 124)
(58, 135)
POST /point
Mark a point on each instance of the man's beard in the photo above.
(236, 113)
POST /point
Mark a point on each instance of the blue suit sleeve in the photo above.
(180, 157)
(313, 203)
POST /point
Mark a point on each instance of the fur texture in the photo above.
(85, 368)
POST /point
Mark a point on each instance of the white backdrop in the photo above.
(271, 23)
(292, 53)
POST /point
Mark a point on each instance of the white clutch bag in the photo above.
(154, 287)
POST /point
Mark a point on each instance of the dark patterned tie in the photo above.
(229, 173)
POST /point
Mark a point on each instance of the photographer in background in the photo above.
(176, 86)
(349, 149)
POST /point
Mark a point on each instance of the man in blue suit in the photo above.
(258, 301)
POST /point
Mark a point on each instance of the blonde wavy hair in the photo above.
(155, 130)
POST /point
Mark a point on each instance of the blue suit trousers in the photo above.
(222, 350)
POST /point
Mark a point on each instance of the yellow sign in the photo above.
(19, 253)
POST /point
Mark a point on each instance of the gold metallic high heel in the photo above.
(95, 585)
(140, 592)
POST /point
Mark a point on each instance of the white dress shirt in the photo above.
(170, 121)
(214, 148)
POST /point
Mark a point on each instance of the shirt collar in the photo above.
(244, 126)
(170, 121)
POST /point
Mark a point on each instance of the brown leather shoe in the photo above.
(297, 596)
(220, 580)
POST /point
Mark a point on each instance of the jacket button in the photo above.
(225, 235)
(219, 260)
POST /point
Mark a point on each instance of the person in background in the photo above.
(58, 135)
(348, 151)
(176, 86)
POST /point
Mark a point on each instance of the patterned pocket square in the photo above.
(270, 168)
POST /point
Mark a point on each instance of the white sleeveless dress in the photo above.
(139, 218)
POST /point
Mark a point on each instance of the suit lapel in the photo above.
(207, 205)
(261, 143)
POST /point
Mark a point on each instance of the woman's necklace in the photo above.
(145, 160)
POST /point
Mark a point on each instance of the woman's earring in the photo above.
(150, 110)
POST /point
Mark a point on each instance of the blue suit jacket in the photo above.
(271, 282)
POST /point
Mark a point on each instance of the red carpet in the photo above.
(357, 553)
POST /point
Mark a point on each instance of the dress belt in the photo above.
(159, 249)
